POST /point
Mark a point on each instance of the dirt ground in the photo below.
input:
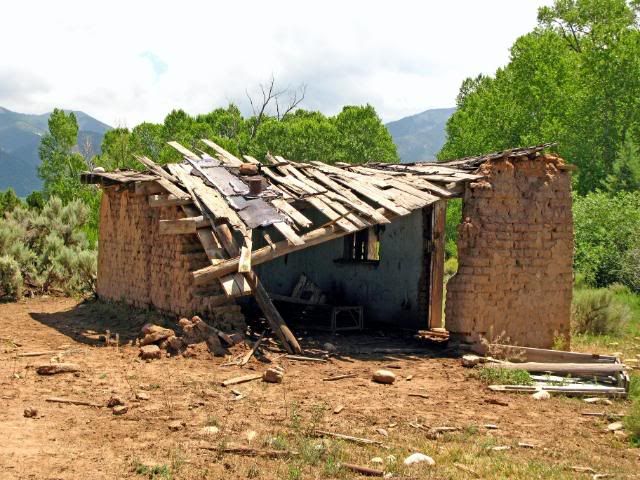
(77, 442)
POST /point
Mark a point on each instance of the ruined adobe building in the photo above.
(194, 237)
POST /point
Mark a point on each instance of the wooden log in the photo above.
(252, 452)
(366, 471)
(341, 436)
(564, 368)
(304, 359)
(339, 377)
(242, 379)
(265, 254)
(70, 401)
(157, 201)
(55, 368)
(38, 354)
(251, 352)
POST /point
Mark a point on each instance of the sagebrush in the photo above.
(596, 311)
(45, 250)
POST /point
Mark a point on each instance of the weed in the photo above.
(155, 472)
(502, 376)
(253, 471)
(294, 473)
(279, 442)
(296, 419)
(211, 421)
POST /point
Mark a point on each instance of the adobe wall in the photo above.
(139, 266)
(515, 252)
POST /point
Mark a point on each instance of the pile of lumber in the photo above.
(568, 373)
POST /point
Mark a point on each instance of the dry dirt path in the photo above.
(78, 442)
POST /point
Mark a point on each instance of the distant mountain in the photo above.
(420, 137)
(20, 136)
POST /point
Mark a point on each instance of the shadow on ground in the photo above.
(89, 321)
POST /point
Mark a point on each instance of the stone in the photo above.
(120, 409)
(541, 395)
(329, 347)
(98, 170)
(382, 432)
(490, 426)
(190, 352)
(150, 352)
(158, 334)
(615, 426)
(376, 460)
(470, 361)
(30, 412)
(142, 396)
(176, 425)
(273, 374)
(384, 376)
(114, 401)
(210, 430)
(419, 458)
(174, 344)
(598, 401)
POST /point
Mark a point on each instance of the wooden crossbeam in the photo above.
(158, 201)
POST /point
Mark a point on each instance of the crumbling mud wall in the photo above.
(515, 255)
(139, 266)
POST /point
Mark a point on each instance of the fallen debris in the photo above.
(300, 358)
(366, 441)
(242, 379)
(55, 368)
(338, 409)
(384, 376)
(176, 425)
(419, 458)
(273, 374)
(70, 401)
(114, 401)
(120, 409)
(421, 395)
(252, 352)
(615, 426)
(541, 395)
(30, 412)
(470, 361)
(339, 377)
(142, 396)
(38, 354)
(150, 352)
(598, 400)
(366, 471)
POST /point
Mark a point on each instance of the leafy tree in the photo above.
(116, 149)
(9, 201)
(625, 174)
(574, 80)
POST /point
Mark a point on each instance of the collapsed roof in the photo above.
(225, 199)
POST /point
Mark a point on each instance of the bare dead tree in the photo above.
(86, 150)
(270, 95)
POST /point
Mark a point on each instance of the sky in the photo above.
(125, 62)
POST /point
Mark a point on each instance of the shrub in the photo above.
(10, 278)
(595, 311)
(632, 421)
(450, 267)
(630, 269)
(607, 229)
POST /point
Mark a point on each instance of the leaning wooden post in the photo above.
(274, 318)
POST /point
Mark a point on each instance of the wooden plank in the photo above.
(183, 150)
(331, 214)
(374, 194)
(288, 233)
(223, 155)
(574, 389)
(235, 285)
(436, 283)
(544, 355)
(210, 243)
(245, 254)
(242, 379)
(588, 369)
(155, 168)
(413, 191)
(292, 212)
(157, 201)
(297, 290)
(182, 226)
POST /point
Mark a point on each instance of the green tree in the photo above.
(60, 167)
(625, 174)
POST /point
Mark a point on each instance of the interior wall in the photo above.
(515, 255)
(388, 291)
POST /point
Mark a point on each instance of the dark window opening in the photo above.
(362, 246)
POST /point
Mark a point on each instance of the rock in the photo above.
(150, 352)
(215, 346)
(174, 344)
(120, 410)
(183, 322)
(273, 375)
(235, 338)
(210, 430)
(419, 458)
(500, 448)
(190, 352)
(114, 401)
(157, 334)
(622, 435)
(98, 170)
(330, 347)
(142, 396)
(615, 426)
(382, 432)
(490, 426)
(598, 401)
(30, 412)
(376, 460)
(384, 376)
(176, 425)
(470, 361)
(541, 395)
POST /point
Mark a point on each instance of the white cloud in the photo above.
(126, 62)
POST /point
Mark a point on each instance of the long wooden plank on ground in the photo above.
(223, 155)
(546, 355)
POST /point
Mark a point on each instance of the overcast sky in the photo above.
(125, 62)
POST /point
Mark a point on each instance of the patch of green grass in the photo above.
(503, 376)
(155, 472)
